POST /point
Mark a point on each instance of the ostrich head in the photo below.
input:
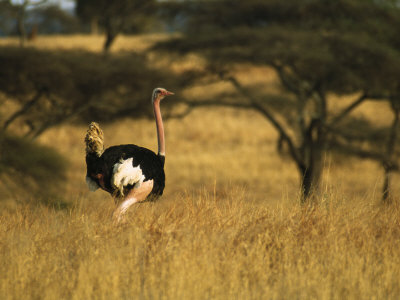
(160, 93)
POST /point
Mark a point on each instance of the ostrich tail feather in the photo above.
(94, 140)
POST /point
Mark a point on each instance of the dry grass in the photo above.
(202, 246)
(88, 42)
(228, 227)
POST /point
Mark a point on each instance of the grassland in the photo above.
(228, 227)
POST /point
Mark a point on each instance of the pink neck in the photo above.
(160, 127)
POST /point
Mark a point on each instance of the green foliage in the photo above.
(116, 16)
(51, 19)
(52, 87)
(7, 15)
(340, 47)
(345, 45)
(48, 18)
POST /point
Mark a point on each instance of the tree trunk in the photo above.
(390, 147)
(311, 177)
(21, 25)
(110, 37)
(311, 170)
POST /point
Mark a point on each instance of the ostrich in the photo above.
(128, 172)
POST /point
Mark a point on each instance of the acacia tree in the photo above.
(50, 88)
(115, 16)
(317, 48)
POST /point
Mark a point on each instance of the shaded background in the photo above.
(313, 84)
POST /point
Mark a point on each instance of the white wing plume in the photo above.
(125, 174)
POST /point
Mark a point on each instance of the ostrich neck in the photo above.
(160, 127)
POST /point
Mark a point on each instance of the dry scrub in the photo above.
(202, 247)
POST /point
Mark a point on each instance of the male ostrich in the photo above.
(128, 172)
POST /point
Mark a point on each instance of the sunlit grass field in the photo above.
(229, 225)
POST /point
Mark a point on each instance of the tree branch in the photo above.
(347, 110)
(392, 134)
(269, 116)
(285, 80)
(194, 104)
(24, 109)
(376, 156)
(169, 115)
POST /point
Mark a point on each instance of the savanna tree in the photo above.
(317, 48)
(115, 17)
(50, 88)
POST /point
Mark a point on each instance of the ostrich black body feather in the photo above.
(151, 165)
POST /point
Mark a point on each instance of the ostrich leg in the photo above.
(135, 195)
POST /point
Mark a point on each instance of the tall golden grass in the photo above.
(202, 246)
(228, 227)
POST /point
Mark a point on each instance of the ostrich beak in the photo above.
(168, 93)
